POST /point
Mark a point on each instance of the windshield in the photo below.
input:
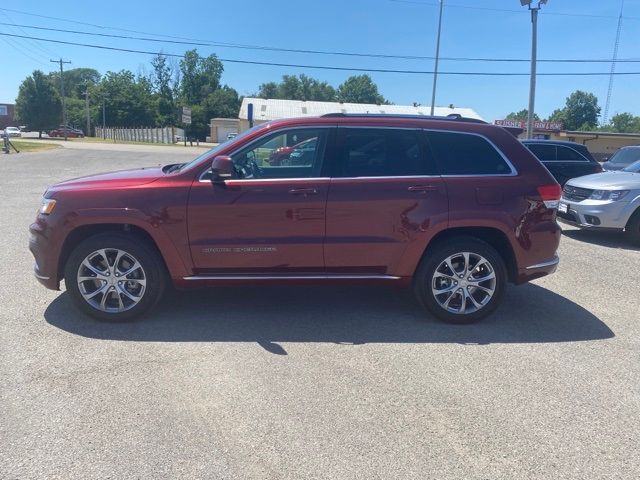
(626, 156)
(634, 167)
(223, 145)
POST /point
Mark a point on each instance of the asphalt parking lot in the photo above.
(309, 382)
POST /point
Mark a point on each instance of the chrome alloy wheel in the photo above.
(111, 280)
(464, 283)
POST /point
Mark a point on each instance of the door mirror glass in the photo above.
(221, 169)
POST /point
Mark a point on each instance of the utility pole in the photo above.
(86, 103)
(64, 110)
(104, 107)
(534, 61)
(435, 70)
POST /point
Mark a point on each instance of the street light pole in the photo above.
(435, 70)
(534, 62)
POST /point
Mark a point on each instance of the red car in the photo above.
(70, 131)
(293, 154)
(452, 207)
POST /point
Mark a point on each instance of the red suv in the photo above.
(453, 207)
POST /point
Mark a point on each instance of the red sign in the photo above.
(542, 126)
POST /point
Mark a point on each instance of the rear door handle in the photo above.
(303, 191)
(422, 188)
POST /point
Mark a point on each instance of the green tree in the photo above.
(75, 81)
(298, 88)
(360, 89)
(580, 112)
(200, 76)
(130, 100)
(38, 104)
(522, 116)
(625, 123)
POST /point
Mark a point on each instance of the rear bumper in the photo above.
(538, 270)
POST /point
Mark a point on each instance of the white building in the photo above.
(265, 110)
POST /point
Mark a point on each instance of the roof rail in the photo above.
(452, 116)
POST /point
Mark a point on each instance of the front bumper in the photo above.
(45, 268)
(594, 214)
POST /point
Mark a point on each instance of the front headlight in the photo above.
(48, 204)
(612, 195)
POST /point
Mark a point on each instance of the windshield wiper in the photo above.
(173, 168)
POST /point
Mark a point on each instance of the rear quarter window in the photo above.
(544, 153)
(466, 154)
(567, 154)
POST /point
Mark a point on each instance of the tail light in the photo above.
(550, 194)
(599, 168)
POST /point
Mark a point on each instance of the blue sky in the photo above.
(582, 29)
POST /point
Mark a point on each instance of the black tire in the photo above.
(632, 230)
(433, 261)
(152, 271)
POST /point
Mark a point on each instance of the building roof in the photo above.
(273, 109)
(581, 133)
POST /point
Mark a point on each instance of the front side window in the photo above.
(380, 152)
(466, 154)
(287, 154)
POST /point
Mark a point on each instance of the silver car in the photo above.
(608, 200)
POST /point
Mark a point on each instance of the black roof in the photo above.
(451, 117)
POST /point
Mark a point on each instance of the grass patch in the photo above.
(35, 146)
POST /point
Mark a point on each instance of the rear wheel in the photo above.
(461, 281)
(632, 230)
(114, 277)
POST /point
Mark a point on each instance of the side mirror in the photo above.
(221, 169)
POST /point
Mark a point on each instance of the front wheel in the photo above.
(632, 229)
(461, 281)
(114, 277)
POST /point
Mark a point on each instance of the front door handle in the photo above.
(423, 189)
(303, 191)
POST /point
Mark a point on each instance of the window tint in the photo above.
(377, 152)
(545, 153)
(566, 154)
(289, 154)
(465, 154)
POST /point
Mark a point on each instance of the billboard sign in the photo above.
(541, 126)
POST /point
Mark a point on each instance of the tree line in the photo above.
(581, 112)
(151, 98)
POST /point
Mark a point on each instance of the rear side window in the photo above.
(466, 154)
(545, 153)
(380, 152)
(566, 154)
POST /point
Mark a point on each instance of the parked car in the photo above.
(231, 136)
(454, 208)
(12, 132)
(565, 160)
(623, 158)
(605, 201)
(70, 132)
(294, 154)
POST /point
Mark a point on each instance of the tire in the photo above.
(462, 299)
(120, 291)
(632, 230)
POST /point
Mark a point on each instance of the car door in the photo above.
(266, 219)
(385, 198)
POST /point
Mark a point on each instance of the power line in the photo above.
(508, 10)
(319, 67)
(354, 54)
